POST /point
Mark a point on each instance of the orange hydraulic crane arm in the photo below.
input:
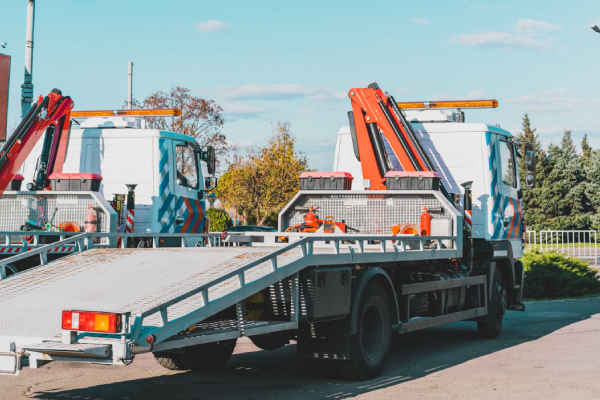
(374, 111)
(51, 114)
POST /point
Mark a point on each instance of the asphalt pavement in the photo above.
(552, 350)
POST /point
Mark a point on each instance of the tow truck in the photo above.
(101, 164)
(421, 225)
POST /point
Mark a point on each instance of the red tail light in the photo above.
(91, 321)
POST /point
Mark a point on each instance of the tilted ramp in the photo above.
(167, 290)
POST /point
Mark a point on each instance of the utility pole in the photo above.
(129, 87)
(27, 87)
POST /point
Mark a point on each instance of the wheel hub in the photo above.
(372, 332)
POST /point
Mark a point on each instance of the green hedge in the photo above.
(550, 275)
(219, 220)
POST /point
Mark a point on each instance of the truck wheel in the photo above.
(270, 341)
(419, 305)
(371, 344)
(491, 328)
(202, 357)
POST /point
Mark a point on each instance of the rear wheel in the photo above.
(491, 328)
(371, 344)
(270, 341)
(203, 357)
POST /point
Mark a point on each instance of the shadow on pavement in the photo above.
(278, 375)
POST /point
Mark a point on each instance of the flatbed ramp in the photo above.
(173, 294)
(125, 280)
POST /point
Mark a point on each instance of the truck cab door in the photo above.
(189, 209)
(507, 211)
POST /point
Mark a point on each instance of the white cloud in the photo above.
(554, 100)
(179, 26)
(528, 34)
(235, 111)
(212, 26)
(531, 25)
(501, 39)
(278, 92)
(420, 21)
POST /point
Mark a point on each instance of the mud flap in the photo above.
(325, 340)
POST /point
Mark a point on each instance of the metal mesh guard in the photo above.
(368, 213)
(18, 209)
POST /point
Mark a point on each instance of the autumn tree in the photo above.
(266, 178)
(200, 118)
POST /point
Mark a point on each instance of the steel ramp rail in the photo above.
(76, 243)
(168, 290)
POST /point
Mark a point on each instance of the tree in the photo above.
(230, 190)
(563, 196)
(586, 149)
(219, 220)
(260, 183)
(200, 118)
(532, 207)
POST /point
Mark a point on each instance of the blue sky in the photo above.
(269, 61)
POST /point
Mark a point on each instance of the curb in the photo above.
(563, 300)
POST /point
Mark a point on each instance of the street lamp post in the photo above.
(27, 87)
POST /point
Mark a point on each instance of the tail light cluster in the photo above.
(91, 321)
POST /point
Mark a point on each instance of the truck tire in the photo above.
(370, 346)
(419, 305)
(491, 328)
(202, 357)
(270, 341)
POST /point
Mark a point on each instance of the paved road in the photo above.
(550, 351)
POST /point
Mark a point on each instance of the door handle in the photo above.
(178, 221)
(506, 221)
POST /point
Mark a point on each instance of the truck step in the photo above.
(73, 350)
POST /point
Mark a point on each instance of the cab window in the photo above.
(187, 167)
(507, 161)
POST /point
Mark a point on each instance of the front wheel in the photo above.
(370, 346)
(491, 328)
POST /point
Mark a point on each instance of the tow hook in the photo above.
(151, 339)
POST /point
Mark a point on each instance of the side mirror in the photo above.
(209, 157)
(530, 157)
(210, 183)
(530, 180)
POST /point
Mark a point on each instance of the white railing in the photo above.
(581, 244)
(531, 240)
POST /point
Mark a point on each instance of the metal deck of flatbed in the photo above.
(120, 280)
(167, 290)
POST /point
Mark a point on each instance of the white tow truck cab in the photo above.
(462, 152)
(166, 168)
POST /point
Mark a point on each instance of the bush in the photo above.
(552, 275)
(219, 220)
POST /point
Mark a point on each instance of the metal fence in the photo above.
(531, 240)
(580, 244)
